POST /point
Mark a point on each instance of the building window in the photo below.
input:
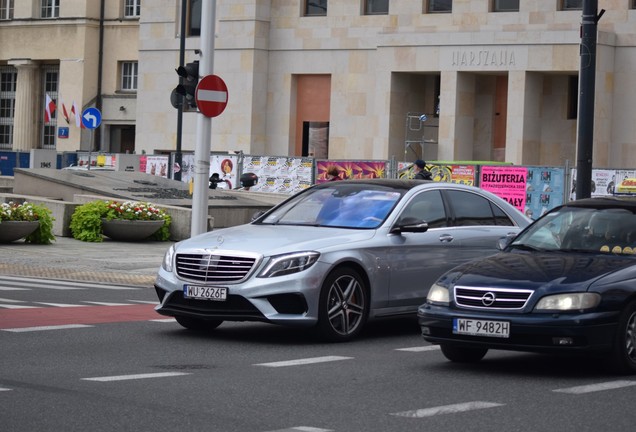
(435, 6)
(8, 80)
(51, 77)
(50, 9)
(573, 97)
(132, 8)
(506, 6)
(6, 9)
(572, 5)
(315, 7)
(129, 76)
(193, 18)
(376, 7)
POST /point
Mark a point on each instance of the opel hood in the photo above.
(548, 270)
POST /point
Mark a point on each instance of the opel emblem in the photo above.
(488, 299)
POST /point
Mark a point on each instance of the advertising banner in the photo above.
(156, 165)
(462, 174)
(544, 190)
(506, 182)
(351, 169)
(286, 175)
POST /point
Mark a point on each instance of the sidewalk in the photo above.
(110, 262)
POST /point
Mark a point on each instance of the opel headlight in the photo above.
(568, 302)
(282, 265)
(437, 295)
(167, 259)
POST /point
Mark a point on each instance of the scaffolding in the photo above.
(421, 135)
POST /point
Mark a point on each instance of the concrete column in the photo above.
(457, 116)
(447, 115)
(523, 129)
(25, 131)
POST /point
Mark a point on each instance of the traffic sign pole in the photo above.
(204, 125)
(91, 119)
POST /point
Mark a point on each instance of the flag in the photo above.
(64, 112)
(49, 109)
(77, 114)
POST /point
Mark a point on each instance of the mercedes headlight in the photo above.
(168, 259)
(281, 265)
(568, 302)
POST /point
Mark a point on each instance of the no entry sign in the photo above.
(211, 95)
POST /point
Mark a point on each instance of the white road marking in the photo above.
(303, 429)
(41, 328)
(447, 409)
(144, 302)
(304, 361)
(5, 300)
(420, 348)
(5, 389)
(610, 385)
(136, 376)
(106, 303)
(14, 289)
(12, 306)
(12, 283)
(164, 320)
(62, 305)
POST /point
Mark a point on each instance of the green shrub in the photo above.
(86, 221)
(30, 212)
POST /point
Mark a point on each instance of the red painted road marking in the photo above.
(21, 318)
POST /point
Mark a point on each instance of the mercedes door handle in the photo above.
(446, 238)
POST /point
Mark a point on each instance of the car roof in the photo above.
(626, 202)
(398, 184)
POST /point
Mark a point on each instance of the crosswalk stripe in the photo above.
(447, 409)
(420, 348)
(42, 328)
(304, 361)
(6, 300)
(610, 385)
(136, 376)
(106, 303)
(11, 283)
(59, 304)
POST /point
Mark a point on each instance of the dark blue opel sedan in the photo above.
(566, 284)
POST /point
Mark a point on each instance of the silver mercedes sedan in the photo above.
(333, 256)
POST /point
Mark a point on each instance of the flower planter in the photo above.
(15, 230)
(130, 230)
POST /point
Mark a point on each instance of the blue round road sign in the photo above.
(91, 118)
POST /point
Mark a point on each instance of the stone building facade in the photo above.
(350, 79)
(82, 51)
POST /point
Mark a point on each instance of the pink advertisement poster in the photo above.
(351, 169)
(506, 182)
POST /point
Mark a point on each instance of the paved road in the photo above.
(109, 262)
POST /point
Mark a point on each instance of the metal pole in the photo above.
(177, 156)
(204, 125)
(587, 77)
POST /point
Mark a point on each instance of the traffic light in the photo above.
(188, 84)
